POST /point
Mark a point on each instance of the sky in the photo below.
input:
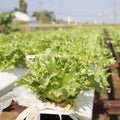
(90, 11)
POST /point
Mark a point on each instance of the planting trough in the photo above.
(7, 79)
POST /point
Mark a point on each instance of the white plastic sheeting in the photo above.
(8, 78)
(82, 109)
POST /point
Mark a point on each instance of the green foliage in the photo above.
(11, 57)
(73, 62)
(23, 6)
(6, 22)
(44, 16)
(6, 18)
(115, 36)
(67, 62)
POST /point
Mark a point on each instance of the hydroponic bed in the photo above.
(67, 64)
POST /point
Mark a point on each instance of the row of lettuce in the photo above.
(66, 63)
(114, 33)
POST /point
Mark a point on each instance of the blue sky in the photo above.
(82, 10)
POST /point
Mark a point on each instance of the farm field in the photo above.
(66, 63)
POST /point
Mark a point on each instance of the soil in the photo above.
(12, 111)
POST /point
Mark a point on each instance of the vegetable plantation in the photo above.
(66, 62)
(115, 35)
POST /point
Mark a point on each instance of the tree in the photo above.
(37, 15)
(23, 6)
(6, 20)
(44, 16)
